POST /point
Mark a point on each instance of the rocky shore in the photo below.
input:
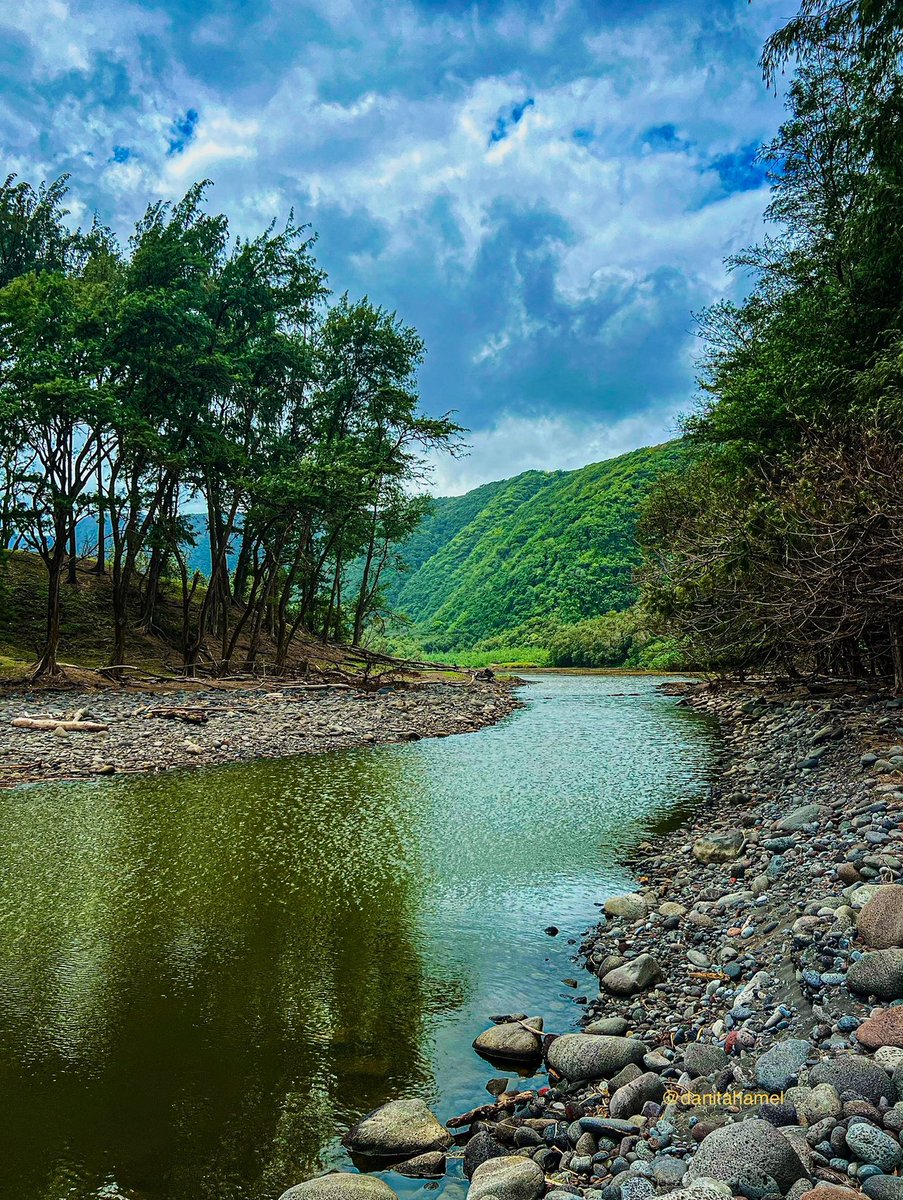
(76, 735)
(747, 1037)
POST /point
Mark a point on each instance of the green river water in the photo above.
(205, 977)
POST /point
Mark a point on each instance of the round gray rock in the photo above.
(509, 1178)
(750, 1145)
(510, 1041)
(634, 976)
(879, 973)
(341, 1186)
(857, 1075)
(778, 1068)
(579, 1056)
(400, 1129)
(883, 1187)
(872, 1145)
(718, 847)
(630, 907)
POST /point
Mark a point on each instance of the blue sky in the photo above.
(547, 191)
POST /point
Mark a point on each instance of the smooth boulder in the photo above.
(631, 907)
(855, 1075)
(750, 1145)
(508, 1178)
(634, 976)
(510, 1041)
(719, 847)
(580, 1056)
(341, 1185)
(879, 973)
(880, 921)
(400, 1129)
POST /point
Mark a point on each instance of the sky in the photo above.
(545, 191)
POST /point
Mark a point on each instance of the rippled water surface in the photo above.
(205, 977)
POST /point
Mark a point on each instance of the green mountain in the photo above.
(541, 549)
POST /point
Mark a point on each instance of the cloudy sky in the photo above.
(546, 190)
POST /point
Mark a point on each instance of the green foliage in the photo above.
(617, 639)
(197, 367)
(511, 560)
(781, 545)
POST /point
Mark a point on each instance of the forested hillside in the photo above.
(526, 554)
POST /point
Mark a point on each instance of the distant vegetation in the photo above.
(502, 571)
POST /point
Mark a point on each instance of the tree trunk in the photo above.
(48, 663)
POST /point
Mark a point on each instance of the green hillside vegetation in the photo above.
(498, 571)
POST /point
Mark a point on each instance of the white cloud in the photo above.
(514, 444)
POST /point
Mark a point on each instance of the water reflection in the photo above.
(205, 977)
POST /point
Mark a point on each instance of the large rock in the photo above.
(855, 1075)
(778, 1068)
(879, 973)
(799, 818)
(703, 1059)
(884, 1027)
(628, 1100)
(635, 976)
(400, 1129)
(719, 847)
(630, 907)
(871, 1145)
(479, 1149)
(341, 1186)
(880, 921)
(883, 1187)
(750, 1145)
(579, 1056)
(510, 1041)
(509, 1178)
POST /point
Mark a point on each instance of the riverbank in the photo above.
(153, 730)
(747, 1038)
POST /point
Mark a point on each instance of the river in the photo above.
(205, 977)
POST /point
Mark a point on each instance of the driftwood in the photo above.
(485, 1112)
(192, 716)
(49, 724)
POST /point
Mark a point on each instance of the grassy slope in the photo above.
(557, 546)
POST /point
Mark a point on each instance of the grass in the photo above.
(505, 656)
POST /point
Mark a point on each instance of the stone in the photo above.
(883, 1187)
(700, 1059)
(829, 1191)
(425, 1166)
(884, 1027)
(872, 1145)
(855, 1074)
(509, 1178)
(637, 1187)
(799, 818)
(634, 976)
(719, 847)
(400, 1129)
(822, 1101)
(670, 908)
(880, 921)
(613, 1026)
(630, 907)
(510, 1041)
(751, 1144)
(778, 1068)
(628, 1100)
(341, 1185)
(579, 1056)
(479, 1149)
(879, 973)
(889, 1058)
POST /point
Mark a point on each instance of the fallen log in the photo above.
(485, 1112)
(48, 725)
(191, 716)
